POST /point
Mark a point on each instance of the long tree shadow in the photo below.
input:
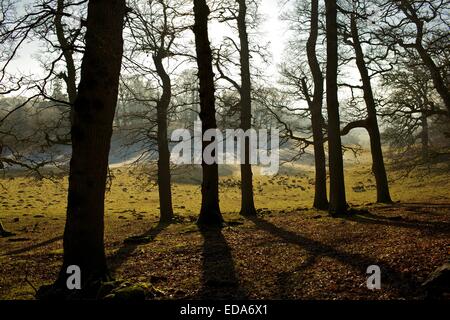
(34, 246)
(422, 205)
(283, 277)
(424, 208)
(404, 283)
(219, 279)
(370, 218)
(130, 245)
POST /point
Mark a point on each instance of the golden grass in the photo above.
(130, 194)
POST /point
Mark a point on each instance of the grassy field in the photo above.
(175, 261)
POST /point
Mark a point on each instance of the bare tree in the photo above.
(247, 199)
(67, 48)
(210, 214)
(370, 123)
(304, 80)
(14, 32)
(91, 134)
(154, 29)
(409, 112)
(235, 102)
(315, 105)
(420, 26)
(338, 202)
(58, 25)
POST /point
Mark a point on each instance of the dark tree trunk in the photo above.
(320, 194)
(94, 111)
(438, 81)
(1, 167)
(378, 168)
(3, 232)
(247, 199)
(164, 178)
(210, 214)
(424, 137)
(70, 78)
(338, 202)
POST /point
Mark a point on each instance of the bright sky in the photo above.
(271, 31)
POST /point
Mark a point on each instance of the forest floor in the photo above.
(288, 252)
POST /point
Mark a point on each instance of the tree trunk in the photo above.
(378, 168)
(164, 178)
(3, 232)
(210, 214)
(94, 111)
(424, 137)
(247, 199)
(320, 187)
(320, 194)
(438, 81)
(338, 202)
(71, 77)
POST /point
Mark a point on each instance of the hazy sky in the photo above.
(271, 31)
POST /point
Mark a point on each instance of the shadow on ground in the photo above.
(34, 246)
(129, 247)
(403, 283)
(219, 279)
(401, 221)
